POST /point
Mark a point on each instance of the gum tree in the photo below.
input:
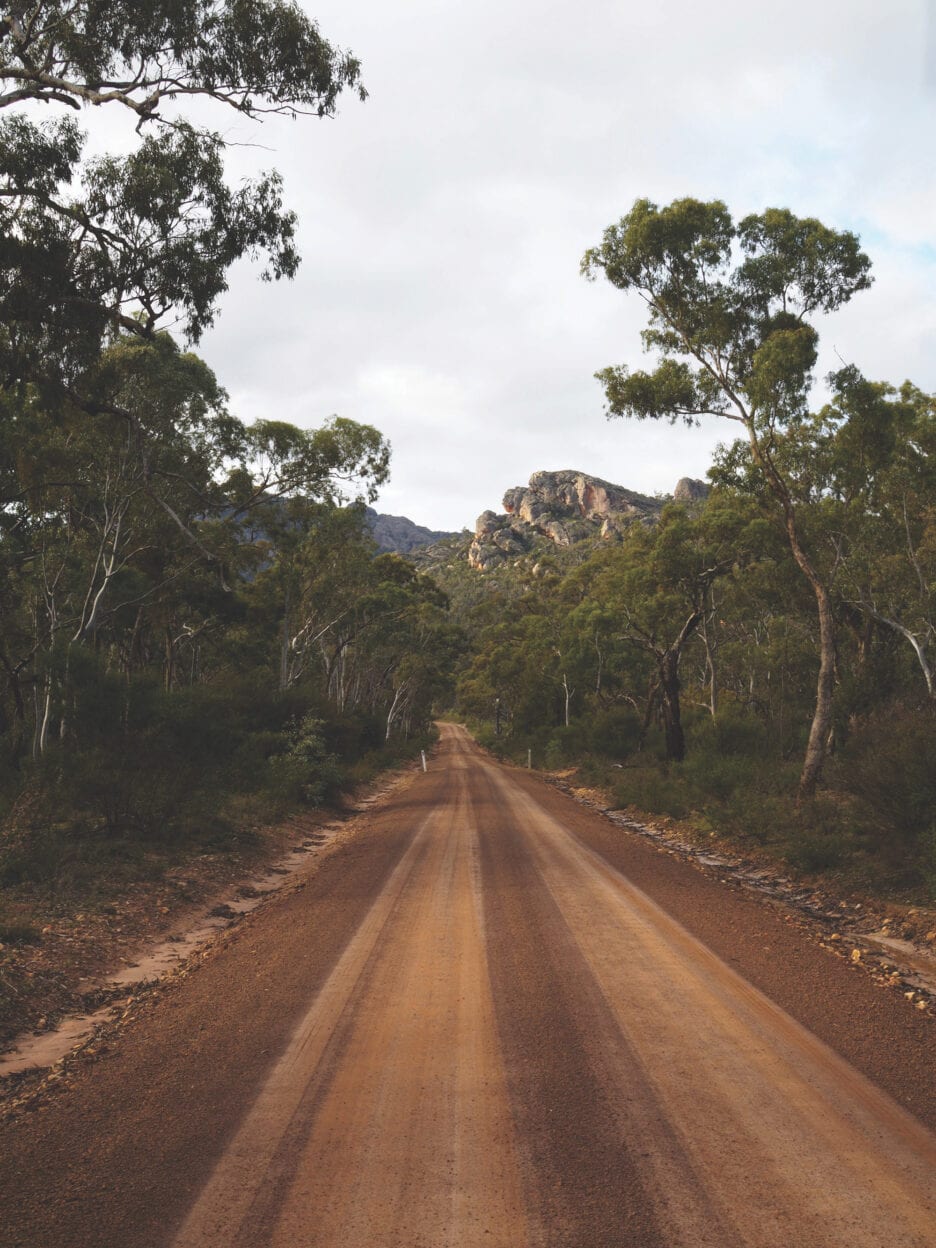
(130, 243)
(729, 311)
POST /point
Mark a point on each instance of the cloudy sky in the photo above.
(443, 221)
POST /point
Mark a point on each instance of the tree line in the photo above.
(191, 606)
(192, 611)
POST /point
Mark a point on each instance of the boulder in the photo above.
(488, 522)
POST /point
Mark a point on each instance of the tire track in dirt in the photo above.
(476, 1027)
(765, 1113)
(386, 1120)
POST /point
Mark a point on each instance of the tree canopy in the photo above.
(135, 242)
(160, 560)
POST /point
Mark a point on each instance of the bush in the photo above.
(890, 764)
(735, 731)
(654, 788)
(716, 778)
(564, 746)
(814, 852)
(305, 773)
(614, 732)
(824, 835)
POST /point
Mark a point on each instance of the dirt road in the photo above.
(495, 1020)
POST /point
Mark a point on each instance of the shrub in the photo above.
(564, 746)
(890, 765)
(305, 772)
(614, 732)
(653, 788)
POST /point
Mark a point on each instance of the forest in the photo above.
(761, 661)
(196, 631)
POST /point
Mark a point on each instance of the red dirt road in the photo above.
(494, 1019)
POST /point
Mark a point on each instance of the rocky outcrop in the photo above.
(689, 490)
(575, 494)
(397, 533)
(561, 507)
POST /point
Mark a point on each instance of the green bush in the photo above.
(890, 764)
(305, 773)
(653, 788)
(824, 851)
(614, 732)
(564, 746)
(715, 778)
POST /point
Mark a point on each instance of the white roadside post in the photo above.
(423, 753)
(529, 760)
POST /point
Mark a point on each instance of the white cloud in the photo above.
(444, 219)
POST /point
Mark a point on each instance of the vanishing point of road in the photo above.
(491, 1018)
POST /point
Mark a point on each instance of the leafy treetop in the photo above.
(143, 241)
(258, 56)
(728, 308)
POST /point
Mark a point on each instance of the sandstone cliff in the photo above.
(563, 508)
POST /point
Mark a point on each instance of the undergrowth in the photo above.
(195, 774)
(872, 826)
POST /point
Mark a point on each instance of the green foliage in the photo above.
(651, 787)
(727, 312)
(819, 841)
(726, 307)
(305, 772)
(889, 763)
(613, 732)
(747, 679)
(140, 240)
(195, 634)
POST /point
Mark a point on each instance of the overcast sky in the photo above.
(443, 220)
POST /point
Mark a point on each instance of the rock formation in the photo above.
(690, 491)
(562, 507)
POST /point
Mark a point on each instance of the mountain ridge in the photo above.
(399, 534)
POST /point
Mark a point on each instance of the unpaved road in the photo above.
(493, 1019)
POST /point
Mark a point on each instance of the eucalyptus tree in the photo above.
(134, 242)
(129, 534)
(882, 468)
(371, 629)
(657, 585)
(729, 308)
(97, 252)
